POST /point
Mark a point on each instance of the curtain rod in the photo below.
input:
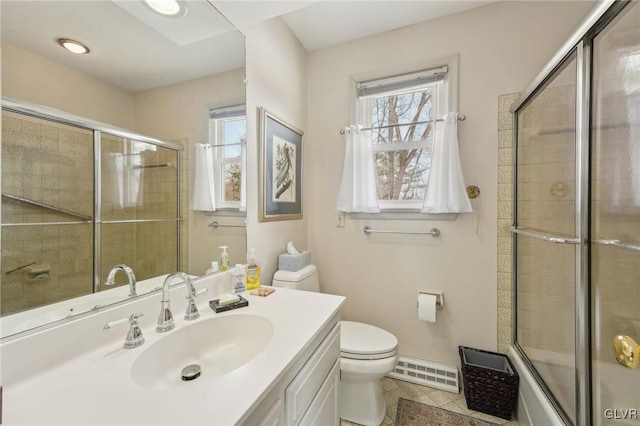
(460, 118)
(224, 144)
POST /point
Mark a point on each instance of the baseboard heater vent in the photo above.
(426, 373)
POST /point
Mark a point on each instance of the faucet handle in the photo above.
(192, 310)
(197, 293)
(134, 336)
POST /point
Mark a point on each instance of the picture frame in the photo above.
(280, 186)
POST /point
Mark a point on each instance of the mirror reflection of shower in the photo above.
(56, 196)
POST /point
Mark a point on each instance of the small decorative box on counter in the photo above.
(294, 262)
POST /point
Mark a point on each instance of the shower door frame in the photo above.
(580, 42)
(98, 128)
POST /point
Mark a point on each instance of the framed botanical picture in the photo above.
(280, 169)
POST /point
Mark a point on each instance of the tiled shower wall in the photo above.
(50, 164)
(53, 164)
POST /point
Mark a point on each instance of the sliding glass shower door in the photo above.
(577, 223)
(615, 220)
(78, 198)
(546, 232)
(47, 212)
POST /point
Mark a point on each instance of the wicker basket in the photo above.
(490, 382)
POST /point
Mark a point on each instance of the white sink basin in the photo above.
(218, 345)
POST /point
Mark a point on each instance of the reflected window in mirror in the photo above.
(228, 134)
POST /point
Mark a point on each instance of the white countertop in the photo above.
(95, 386)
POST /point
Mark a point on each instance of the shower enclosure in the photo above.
(79, 197)
(577, 222)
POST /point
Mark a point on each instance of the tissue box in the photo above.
(294, 262)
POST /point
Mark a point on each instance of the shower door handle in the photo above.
(627, 351)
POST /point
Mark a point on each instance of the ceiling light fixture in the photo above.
(173, 8)
(73, 46)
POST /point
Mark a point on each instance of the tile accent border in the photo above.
(505, 219)
(184, 204)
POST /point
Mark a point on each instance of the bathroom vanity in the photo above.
(275, 362)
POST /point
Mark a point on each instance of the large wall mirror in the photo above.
(99, 150)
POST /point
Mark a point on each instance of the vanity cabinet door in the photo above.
(323, 411)
(304, 388)
(275, 415)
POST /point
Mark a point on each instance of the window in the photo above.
(401, 112)
(228, 133)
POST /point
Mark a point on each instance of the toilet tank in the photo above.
(304, 279)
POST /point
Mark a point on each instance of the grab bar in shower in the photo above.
(434, 232)
(216, 225)
(618, 243)
(9, 225)
(46, 207)
(541, 236)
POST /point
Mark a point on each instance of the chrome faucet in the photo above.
(111, 278)
(134, 336)
(165, 320)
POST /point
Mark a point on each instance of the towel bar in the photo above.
(434, 232)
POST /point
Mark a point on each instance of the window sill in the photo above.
(403, 215)
(227, 212)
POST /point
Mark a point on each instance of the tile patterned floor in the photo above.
(394, 389)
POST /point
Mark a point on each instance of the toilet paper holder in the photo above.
(439, 297)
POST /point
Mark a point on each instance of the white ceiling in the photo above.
(319, 24)
(131, 46)
(136, 49)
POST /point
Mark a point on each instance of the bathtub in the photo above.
(533, 407)
(615, 393)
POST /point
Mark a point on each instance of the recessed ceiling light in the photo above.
(73, 46)
(167, 7)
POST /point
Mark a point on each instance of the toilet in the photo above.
(367, 353)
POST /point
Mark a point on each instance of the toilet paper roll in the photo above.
(427, 307)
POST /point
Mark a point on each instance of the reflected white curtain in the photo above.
(204, 196)
(127, 187)
(358, 187)
(446, 190)
(118, 172)
(243, 177)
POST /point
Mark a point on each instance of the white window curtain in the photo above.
(358, 187)
(446, 191)
(243, 177)
(129, 178)
(204, 197)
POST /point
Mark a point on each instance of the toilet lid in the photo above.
(365, 341)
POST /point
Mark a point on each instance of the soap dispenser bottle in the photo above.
(224, 258)
(238, 279)
(252, 271)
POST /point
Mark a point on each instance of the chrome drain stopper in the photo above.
(191, 372)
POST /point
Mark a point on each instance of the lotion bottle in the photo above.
(224, 258)
(252, 271)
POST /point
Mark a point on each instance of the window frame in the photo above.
(221, 161)
(446, 100)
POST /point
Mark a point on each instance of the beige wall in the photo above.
(276, 75)
(35, 79)
(501, 48)
(180, 111)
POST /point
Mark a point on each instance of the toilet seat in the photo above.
(365, 341)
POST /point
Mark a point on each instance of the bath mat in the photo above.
(412, 413)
